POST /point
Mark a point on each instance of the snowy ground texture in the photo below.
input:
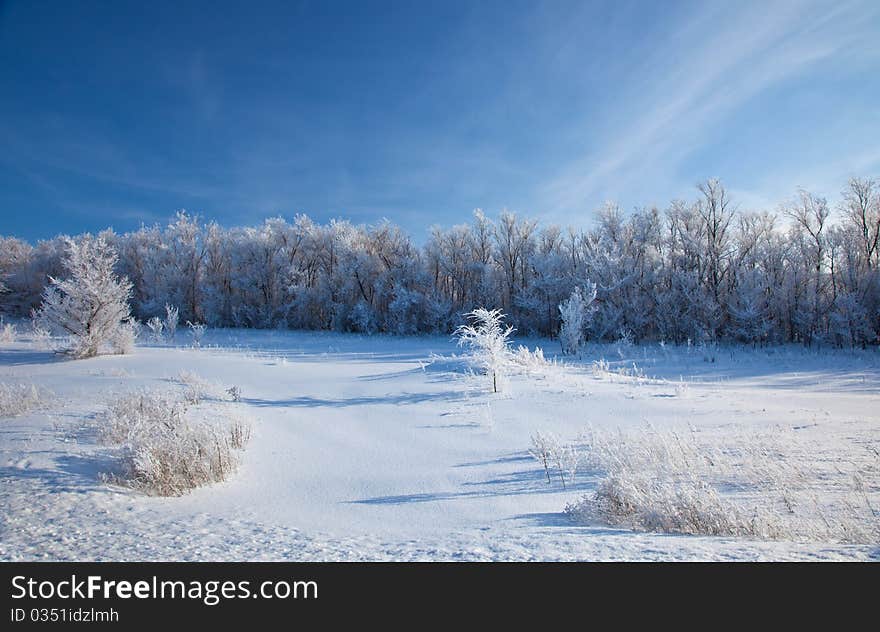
(383, 448)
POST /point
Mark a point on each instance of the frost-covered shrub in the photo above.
(123, 337)
(488, 339)
(172, 317)
(7, 333)
(89, 308)
(197, 331)
(18, 399)
(575, 313)
(169, 450)
(156, 327)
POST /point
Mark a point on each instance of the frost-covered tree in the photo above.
(489, 340)
(575, 313)
(89, 307)
(172, 317)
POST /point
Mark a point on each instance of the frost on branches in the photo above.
(488, 339)
(575, 314)
(89, 307)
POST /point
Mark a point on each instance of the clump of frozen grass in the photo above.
(766, 486)
(530, 362)
(196, 389)
(601, 368)
(167, 449)
(632, 373)
(18, 399)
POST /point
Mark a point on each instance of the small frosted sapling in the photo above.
(488, 339)
(542, 450)
(549, 452)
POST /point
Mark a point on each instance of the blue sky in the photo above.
(118, 113)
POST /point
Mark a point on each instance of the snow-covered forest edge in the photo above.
(697, 271)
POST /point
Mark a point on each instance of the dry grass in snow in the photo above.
(18, 399)
(169, 448)
(768, 485)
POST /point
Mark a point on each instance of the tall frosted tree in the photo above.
(89, 307)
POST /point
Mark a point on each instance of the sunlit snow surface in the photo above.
(382, 448)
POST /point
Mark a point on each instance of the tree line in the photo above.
(698, 270)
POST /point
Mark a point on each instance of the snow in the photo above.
(383, 448)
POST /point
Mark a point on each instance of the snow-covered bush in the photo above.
(90, 307)
(488, 339)
(169, 450)
(18, 399)
(197, 331)
(156, 327)
(574, 314)
(7, 333)
(123, 337)
(172, 317)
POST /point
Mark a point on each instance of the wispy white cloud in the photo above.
(703, 72)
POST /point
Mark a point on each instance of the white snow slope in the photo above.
(373, 448)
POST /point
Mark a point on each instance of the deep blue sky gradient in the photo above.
(118, 113)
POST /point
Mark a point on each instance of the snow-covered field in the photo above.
(383, 448)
